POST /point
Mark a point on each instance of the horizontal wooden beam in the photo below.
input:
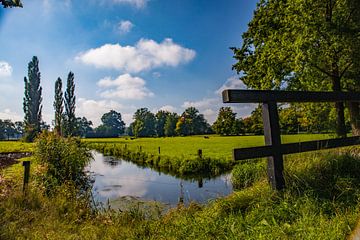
(289, 148)
(259, 96)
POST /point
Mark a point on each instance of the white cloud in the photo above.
(93, 109)
(146, 54)
(135, 3)
(8, 114)
(231, 83)
(5, 69)
(125, 26)
(125, 87)
(204, 103)
(168, 108)
(156, 74)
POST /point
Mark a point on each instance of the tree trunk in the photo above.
(354, 109)
(340, 118)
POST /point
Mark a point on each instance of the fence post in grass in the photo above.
(140, 148)
(200, 153)
(26, 165)
(275, 165)
(159, 150)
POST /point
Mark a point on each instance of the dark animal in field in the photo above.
(206, 137)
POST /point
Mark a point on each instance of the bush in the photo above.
(64, 159)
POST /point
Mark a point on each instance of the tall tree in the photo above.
(58, 105)
(170, 124)
(160, 122)
(144, 124)
(304, 45)
(224, 124)
(192, 122)
(32, 100)
(70, 119)
(83, 127)
(112, 124)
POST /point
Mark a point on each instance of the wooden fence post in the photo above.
(26, 165)
(275, 165)
(159, 150)
(200, 153)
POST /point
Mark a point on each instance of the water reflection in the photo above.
(116, 179)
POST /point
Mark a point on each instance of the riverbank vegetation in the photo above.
(321, 202)
(180, 155)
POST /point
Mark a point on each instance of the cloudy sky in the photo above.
(125, 54)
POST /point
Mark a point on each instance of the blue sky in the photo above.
(125, 54)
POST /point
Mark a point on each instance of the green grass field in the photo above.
(15, 146)
(214, 147)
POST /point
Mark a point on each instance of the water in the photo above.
(117, 181)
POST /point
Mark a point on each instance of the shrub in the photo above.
(64, 159)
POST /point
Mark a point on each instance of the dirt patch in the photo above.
(7, 159)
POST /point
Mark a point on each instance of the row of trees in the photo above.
(65, 122)
(165, 123)
(11, 130)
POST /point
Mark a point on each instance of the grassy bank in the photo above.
(321, 202)
(179, 155)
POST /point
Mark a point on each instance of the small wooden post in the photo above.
(26, 165)
(275, 164)
(200, 183)
(125, 147)
(159, 150)
(140, 148)
(200, 153)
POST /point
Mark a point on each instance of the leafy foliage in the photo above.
(192, 122)
(144, 124)
(303, 45)
(112, 125)
(226, 122)
(69, 118)
(161, 117)
(32, 101)
(58, 105)
(170, 124)
(64, 159)
(11, 3)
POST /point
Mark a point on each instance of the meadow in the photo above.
(321, 201)
(214, 147)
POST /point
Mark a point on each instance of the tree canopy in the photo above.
(11, 3)
(303, 45)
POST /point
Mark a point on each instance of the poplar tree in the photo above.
(58, 106)
(32, 100)
(70, 119)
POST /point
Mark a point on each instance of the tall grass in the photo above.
(316, 205)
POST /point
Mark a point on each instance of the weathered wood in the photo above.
(260, 96)
(26, 165)
(200, 153)
(290, 148)
(275, 164)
